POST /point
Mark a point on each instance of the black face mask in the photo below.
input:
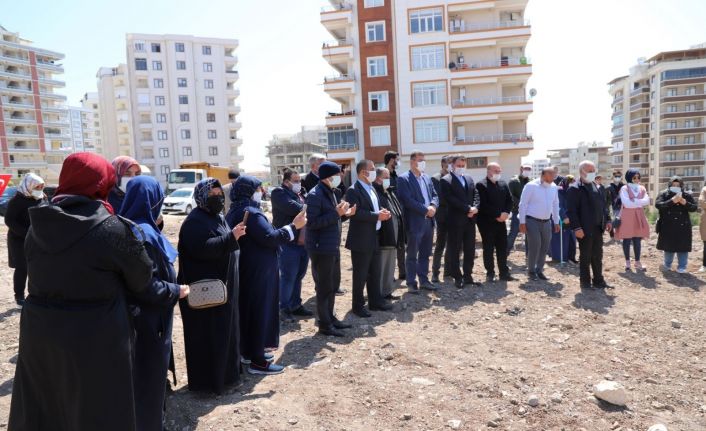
(215, 204)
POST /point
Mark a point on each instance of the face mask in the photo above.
(421, 166)
(591, 177)
(257, 196)
(215, 204)
(460, 171)
(37, 194)
(123, 183)
(635, 187)
(386, 183)
(526, 174)
(335, 181)
(675, 189)
(496, 177)
(371, 176)
(397, 164)
(616, 180)
(296, 187)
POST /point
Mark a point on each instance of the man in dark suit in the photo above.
(363, 240)
(494, 210)
(459, 192)
(441, 227)
(589, 217)
(419, 200)
(391, 234)
(312, 178)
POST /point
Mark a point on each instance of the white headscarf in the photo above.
(29, 182)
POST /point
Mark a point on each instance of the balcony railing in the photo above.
(488, 25)
(343, 139)
(340, 6)
(505, 137)
(337, 42)
(490, 101)
(338, 78)
(503, 62)
(340, 114)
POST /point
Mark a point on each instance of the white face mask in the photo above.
(496, 177)
(257, 197)
(371, 176)
(296, 187)
(386, 183)
(421, 166)
(123, 183)
(335, 181)
(526, 174)
(616, 180)
(634, 186)
(38, 194)
(460, 171)
(591, 177)
(675, 189)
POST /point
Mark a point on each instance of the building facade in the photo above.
(293, 151)
(82, 131)
(90, 102)
(34, 124)
(538, 166)
(568, 159)
(115, 112)
(439, 77)
(659, 119)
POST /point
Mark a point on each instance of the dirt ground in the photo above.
(466, 359)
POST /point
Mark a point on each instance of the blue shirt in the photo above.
(425, 190)
(460, 178)
(373, 197)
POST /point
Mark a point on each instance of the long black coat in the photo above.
(17, 221)
(74, 368)
(674, 222)
(208, 250)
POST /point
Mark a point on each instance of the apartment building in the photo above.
(568, 159)
(115, 112)
(659, 119)
(34, 124)
(538, 166)
(90, 102)
(82, 131)
(183, 96)
(293, 150)
(440, 77)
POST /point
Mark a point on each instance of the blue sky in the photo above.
(576, 48)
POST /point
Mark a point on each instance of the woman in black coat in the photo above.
(208, 249)
(152, 309)
(74, 367)
(30, 193)
(674, 224)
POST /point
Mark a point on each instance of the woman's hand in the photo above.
(239, 230)
(184, 291)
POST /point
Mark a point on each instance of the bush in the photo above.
(652, 216)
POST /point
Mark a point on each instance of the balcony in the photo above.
(493, 139)
(494, 68)
(671, 97)
(697, 161)
(20, 120)
(14, 89)
(683, 113)
(336, 19)
(492, 105)
(638, 106)
(462, 31)
(640, 135)
(639, 91)
(340, 87)
(54, 96)
(338, 51)
(23, 149)
(232, 75)
(341, 119)
(53, 82)
(54, 108)
(618, 99)
(25, 134)
(234, 109)
(638, 121)
(343, 139)
(50, 65)
(697, 128)
(14, 59)
(230, 59)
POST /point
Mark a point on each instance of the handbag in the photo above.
(616, 220)
(207, 294)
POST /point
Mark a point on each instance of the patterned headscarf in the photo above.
(122, 164)
(202, 189)
(29, 182)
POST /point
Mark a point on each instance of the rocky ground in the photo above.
(514, 356)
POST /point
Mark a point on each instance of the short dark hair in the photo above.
(390, 155)
(287, 174)
(414, 154)
(362, 166)
(617, 174)
(455, 157)
(233, 174)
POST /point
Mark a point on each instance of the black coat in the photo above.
(323, 226)
(674, 224)
(442, 212)
(208, 250)
(581, 211)
(116, 198)
(285, 206)
(362, 233)
(309, 182)
(74, 368)
(494, 199)
(392, 232)
(17, 221)
(460, 199)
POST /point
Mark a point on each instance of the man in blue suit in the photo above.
(420, 201)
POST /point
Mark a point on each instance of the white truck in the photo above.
(189, 174)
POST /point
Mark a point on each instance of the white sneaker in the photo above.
(681, 271)
(702, 269)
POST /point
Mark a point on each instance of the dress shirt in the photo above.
(461, 178)
(637, 203)
(425, 190)
(539, 201)
(373, 197)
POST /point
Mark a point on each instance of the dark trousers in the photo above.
(494, 237)
(19, 279)
(591, 257)
(324, 269)
(418, 252)
(367, 268)
(461, 237)
(293, 262)
(439, 247)
(401, 272)
(704, 264)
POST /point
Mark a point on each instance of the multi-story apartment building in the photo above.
(114, 112)
(659, 119)
(90, 102)
(182, 93)
(293, 151)
(82, 131)
(568, 159)
(34, 125)
(538, 166)
(441, 77)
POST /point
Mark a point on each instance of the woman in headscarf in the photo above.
(74, 368)
(126, 168)
(563, 245)
(259, 277)
(634, 226)
(208, 249)
(674, 224)
(152, 309)
(30, 193)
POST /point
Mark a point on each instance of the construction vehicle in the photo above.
(189, 174)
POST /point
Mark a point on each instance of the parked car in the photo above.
(8, 194)
(180, 201)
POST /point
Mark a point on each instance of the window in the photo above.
(181, 65)
(380, 136)
(429, 93)
(431, 130)
(210, 117)
(212, 151)
(179, 47)
(143, 100)
(684, 73)
(212, 134)
(161, 118)
(378, 101)
(426, 20)
(671, 92)
(208, 83)
(158, 83)
(428, 57)
(690, 91)
(164, 152)
(671, 108)
(181, 82)
(476, 162)
(210, 100)
(688, 140)
(690, 107)
(671, 140)
(377, 66)
(164, 170)
(159, 100)
(186, 134)
(688, 124)
(183, 100)
(208, 67)
(140, 46)
(156, 47)
(184, 117)
(156, 65)
(374, 3)
(162, 135)
(671, 125)
(140, 64)
(206, 50)
(375, 31)
(186, 151)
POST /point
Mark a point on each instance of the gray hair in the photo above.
(492, 165)
(584, 164)
(316, 157)
(380, 170)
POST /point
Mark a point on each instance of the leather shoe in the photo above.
(490, 278)
(341, 325)
(507, 277)
(381, 307)
(541, 276)
(429, 286)
(435, 279)
(392, 297)
(302, 312)
(413, 290)
(458, 283)
(601, 285)
(533, 276)
(340, 292)
(333, 332)
(361, 312)
(469, 281)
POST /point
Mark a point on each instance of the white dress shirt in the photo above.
(373, 197)
(540, 201)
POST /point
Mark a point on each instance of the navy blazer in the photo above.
(459, 199)
(579, 209)
(285, 206)
(362, 235)
(323, 226)
(410, 196)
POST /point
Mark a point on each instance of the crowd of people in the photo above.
(102, 281)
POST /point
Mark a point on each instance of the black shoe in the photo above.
(392, 297)
(585, 285)
(381, 307)
(341, 325)
(574, 261)
(541, 276)
(332, 332)
(469, 281)
(413, 290)
(507, 277)
(340, 292)
(402, 277)
(601, 285)
(490, 278)
(302, 312)
(533, 276)
(435, 279)
(286, 316)
(429, 286)
(362, 312)
(20, 302)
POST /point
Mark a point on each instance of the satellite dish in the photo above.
(533, 92)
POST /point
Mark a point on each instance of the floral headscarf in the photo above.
(202, 189)
(122, 164)
(29, 182)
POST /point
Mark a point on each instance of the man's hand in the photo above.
(472, 212)
(683, 201)
(431, 211)
(523, 228)
(351, 211)
(557, 228)
(384, 215)
(342, 208)
(579, 233)
(300, 220)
